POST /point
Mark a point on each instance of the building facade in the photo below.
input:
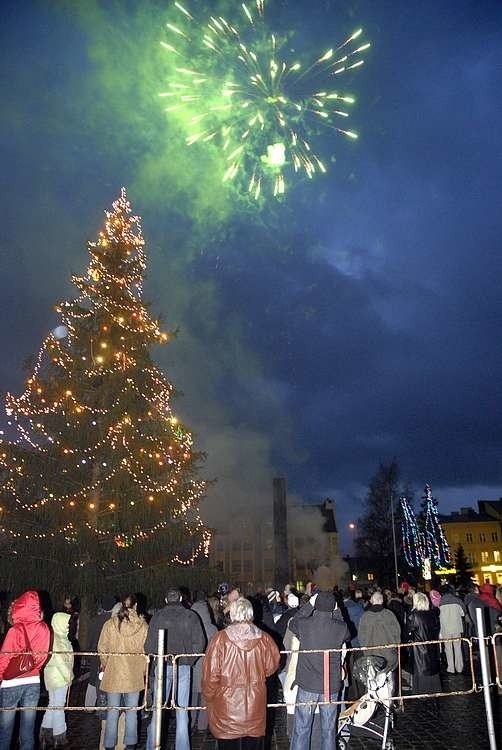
(480, 534)
(246, 553)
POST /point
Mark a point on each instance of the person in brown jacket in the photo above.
(124, 673)
(238, 660)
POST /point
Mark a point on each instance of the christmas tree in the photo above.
(101, 479)
(464, 572)
(424, 543)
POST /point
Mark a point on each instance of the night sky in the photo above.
(356, 322)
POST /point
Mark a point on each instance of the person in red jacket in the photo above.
(22, 690)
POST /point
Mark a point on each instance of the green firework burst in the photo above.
(237, 87)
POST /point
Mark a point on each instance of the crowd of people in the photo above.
(227, 649)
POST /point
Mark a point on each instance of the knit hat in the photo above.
(293, 600)
(325, 602)
(435, 597)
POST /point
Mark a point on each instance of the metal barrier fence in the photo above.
(489, 650)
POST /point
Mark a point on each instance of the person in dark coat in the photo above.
(423, 625)
(104, 613)
(201, 608)
(184, 634)
(318, 624)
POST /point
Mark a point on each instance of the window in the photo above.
(496, 555)
(220, 545)
(219, 565)
(482, 537)
(246, 544)
(236, 566)
(470, 558)
(248, 565)
(268, 564)
(371, 577)
(484, 557)
(236, 546)
(468, 537)
(495, 536)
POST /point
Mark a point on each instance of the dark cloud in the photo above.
(358, 322)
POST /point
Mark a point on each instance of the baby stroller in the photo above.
(370, 716)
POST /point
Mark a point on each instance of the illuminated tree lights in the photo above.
(236, 84)
(102, 473)
(423, 538)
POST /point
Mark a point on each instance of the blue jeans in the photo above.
(304, 719)
(12, 697)
(182, 698)
(55, 719)
(113, 701)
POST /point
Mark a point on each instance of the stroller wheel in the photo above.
(342, 743)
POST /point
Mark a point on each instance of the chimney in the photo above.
(280, 534)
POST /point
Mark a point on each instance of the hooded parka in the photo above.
(238, 660)
(58, 671)
(125, 671)
(25, 612)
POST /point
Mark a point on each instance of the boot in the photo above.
(60, 740)
(46, 738)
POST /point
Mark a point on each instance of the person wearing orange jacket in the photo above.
(22, 688)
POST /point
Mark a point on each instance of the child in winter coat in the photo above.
(58, 676)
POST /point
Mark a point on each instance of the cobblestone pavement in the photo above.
(460, 725)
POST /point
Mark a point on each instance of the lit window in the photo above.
(468, 537)
(482, 537)
(495, 536)
(371, 577)
(496, 555)
(484, 557)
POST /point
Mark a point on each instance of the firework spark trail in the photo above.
(263, 111)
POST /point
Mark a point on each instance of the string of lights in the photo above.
(423, 537)
(98, 452)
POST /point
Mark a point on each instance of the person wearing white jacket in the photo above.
(58, 676)
(451, 617)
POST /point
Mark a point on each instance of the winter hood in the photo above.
(243, 634)
(59, 624)
(26, 608)
(450, 598)
(129, 628)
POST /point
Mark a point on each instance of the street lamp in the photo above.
(394, 546)
(352, 527)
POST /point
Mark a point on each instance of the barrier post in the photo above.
(159, 690)
(485, 678)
